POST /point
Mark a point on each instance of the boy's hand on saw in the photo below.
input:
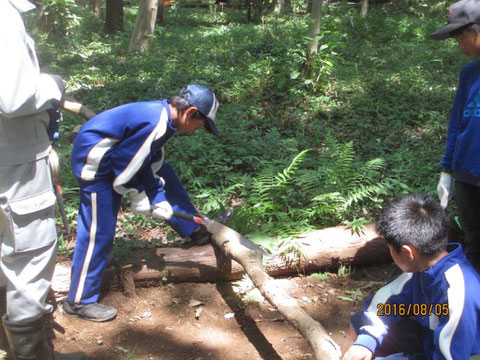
(162, 211)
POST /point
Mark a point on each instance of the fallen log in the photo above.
(322, 249)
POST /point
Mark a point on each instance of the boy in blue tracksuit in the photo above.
(432, 310)
(461, 161)
(120, 152)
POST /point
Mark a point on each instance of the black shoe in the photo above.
(202, 236)
(92, 312)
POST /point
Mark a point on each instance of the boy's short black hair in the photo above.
(416, 220)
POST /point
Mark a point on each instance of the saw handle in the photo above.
(194, 218)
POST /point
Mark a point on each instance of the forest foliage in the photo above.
(305, 142)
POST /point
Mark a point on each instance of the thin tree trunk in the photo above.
(364, 10)
(315, 27)
(278, 6)
(283, 7)
(114, 16)
(161, 12)
(44, 22)
(144, 26)
(96, 6)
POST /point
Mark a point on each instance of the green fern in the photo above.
(326, 188)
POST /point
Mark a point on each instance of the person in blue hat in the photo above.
(121, 152)
(461, 159)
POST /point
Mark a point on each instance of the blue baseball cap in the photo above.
(205, 101)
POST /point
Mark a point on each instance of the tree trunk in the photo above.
(96, 6)
(114, 16)
(161, 13)
(364, 10)
(323, 249)
(315, 27)
(249, 10)
(283, 7)
(44, 22)
(278, 6)
(144, 26)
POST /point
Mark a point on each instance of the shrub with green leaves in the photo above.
(332, 186)
(379, 84)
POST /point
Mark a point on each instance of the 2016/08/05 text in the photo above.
(412, 309)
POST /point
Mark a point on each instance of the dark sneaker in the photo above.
(202, 236)
(92, 312)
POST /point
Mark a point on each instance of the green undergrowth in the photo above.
(305, 142)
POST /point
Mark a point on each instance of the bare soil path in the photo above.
(195, 321)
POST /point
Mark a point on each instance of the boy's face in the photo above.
(469, 42)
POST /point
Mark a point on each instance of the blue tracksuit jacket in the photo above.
(120, 151)
(450, 331)
(463, 144)
(124, 147)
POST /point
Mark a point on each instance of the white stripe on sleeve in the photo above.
(456, 302)
(394, 288)
(157, 165)
(94, 158)
(378, 328)
(141, 155)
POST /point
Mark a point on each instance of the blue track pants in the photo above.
(96, 230)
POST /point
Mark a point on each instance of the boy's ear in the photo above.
(190, 111)
(409, 251)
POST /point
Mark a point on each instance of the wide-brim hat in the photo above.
(205, 101)
(460, 14)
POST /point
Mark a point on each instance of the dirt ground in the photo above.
(223, 321)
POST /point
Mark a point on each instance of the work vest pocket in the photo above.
(33, 221)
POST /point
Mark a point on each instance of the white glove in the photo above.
(444, 189)
(140, 203)
(162, 211)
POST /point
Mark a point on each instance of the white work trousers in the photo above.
(28, 239)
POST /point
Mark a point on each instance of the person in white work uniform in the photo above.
(28, 239)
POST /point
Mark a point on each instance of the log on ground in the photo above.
(322, 249)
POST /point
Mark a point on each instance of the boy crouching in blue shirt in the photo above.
(432, 310)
